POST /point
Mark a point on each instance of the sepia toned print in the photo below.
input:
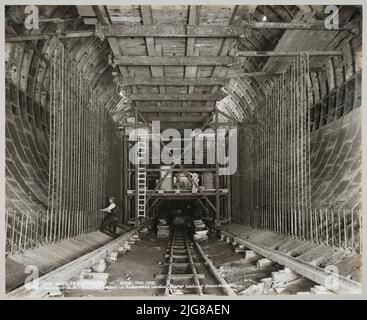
(183, 150)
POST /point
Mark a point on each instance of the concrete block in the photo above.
(127, 246)
(112, 256)
(56, 292)
(282, 277)
(239, 249)
(99, 266)
(135, 238)
(249, 254)
(264, 263)
(121, 250)
(200, 238)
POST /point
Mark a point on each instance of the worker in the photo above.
(178, 221)
(109, 222)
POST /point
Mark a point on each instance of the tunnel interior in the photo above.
(273, 110)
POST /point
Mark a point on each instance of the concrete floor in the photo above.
(134, 273)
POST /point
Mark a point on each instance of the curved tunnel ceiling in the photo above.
(27, 62)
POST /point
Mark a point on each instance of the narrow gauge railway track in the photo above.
(189, 271)
(186, 263)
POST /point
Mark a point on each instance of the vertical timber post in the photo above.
(217, 182)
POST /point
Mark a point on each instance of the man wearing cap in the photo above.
(109, 222)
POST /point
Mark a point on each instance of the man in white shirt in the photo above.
(109, 222)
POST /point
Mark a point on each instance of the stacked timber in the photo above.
(163, 229)
(201, 231)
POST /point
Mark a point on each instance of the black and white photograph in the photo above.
(182, 151)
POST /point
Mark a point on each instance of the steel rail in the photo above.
(224, 285)
(169, 274)
(66, 272)
(193, 268)
(305, 269)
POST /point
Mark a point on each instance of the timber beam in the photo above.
(177, 119)
(178, 31)
(211, 60)
(286, 53)
(47, 36)
(198, 81)
(174, 97)
(174, 109)
(173, 61)
(179, 170)
(172, 81)
(196, 31)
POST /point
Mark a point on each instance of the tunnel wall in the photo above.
(336, 159)
(27, 146)
(335, 145)
(27, 109)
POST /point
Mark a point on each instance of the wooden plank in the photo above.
(228, 46)
(213, 31)
(152, 49)
(177, 119)
(191, 50)
(298, 41)
(173, 61)
(180, 170)
(178, 31)
(286, 53)
(172, 81)
(174, 109)
(47, 36)
(173, 97)
(183, 264)
(180, 276)
(170, 30)
(212, 60)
